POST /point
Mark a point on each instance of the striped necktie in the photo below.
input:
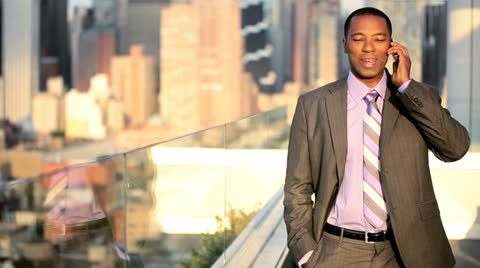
(373, 203)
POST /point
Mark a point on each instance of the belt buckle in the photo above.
(366, 238)
(371, 242)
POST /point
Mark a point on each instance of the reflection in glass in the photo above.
(255, 166)
(62, 218)
(175, 198)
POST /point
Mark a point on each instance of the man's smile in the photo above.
(368, 62)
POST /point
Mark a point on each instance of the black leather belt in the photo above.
(368, 237)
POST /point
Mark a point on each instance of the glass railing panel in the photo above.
(65, 217)
(17, 164)
(255, 166)
(456, 189)
(175, 209)
(278, 121)
(25, 213)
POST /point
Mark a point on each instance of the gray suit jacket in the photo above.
(413, 122)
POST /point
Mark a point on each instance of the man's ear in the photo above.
(344, 42)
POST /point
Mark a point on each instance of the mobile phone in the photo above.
(395, 55)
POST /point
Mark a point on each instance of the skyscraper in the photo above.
(434, 45)
(121, 23)
(46, 113)
(85, 63)
(93, 46)
(104, 12)
(301, 28)
(280, 34)
(54, 43)
(323, 43)
(21, 48)
(105, 49)
(258, 48)
(133, 82)
(463, 61)
(179, 60)
(82, 21)
(403, 14)
(83, 116)
(138, 23)
(202, 78)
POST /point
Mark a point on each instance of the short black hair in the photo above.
(366, 11)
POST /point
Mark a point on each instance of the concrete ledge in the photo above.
(262, 242)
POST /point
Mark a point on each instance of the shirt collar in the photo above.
(359, 90)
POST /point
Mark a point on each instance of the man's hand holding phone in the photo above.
(401, 65)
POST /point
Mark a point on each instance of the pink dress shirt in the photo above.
(348, 209)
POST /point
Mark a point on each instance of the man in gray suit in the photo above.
(359, 146)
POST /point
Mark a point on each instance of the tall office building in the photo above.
(133, 82)
(179, 60)
(100, 90)
(81, 22)
(105, 15)
(463, 65)
(258, 48)
(85, 63)
(106, 33)
(302, 22)
(304, 38)
(202, 78)
(55, 85)
(83, 116)
(105, 47)
(54, 44)
(434, 45)
(405, 17)
(93, 46)
(21, 56)
(46, 114)
(280, 34)
(121, 24)
(323, 43)
(138, 22)
(115, 116)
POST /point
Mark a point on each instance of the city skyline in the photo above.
(297, 53)
(106, 180)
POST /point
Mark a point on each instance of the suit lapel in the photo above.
(336, 104)
(389, 116)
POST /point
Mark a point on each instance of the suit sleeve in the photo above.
(299, 188)
(445, 136)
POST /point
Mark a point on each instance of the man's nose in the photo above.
(368, 46)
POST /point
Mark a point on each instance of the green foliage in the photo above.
(59, 133)
(213, 245)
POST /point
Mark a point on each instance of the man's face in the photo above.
(366, 44)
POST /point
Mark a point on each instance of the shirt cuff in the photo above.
(404, 86)
(305, 258)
